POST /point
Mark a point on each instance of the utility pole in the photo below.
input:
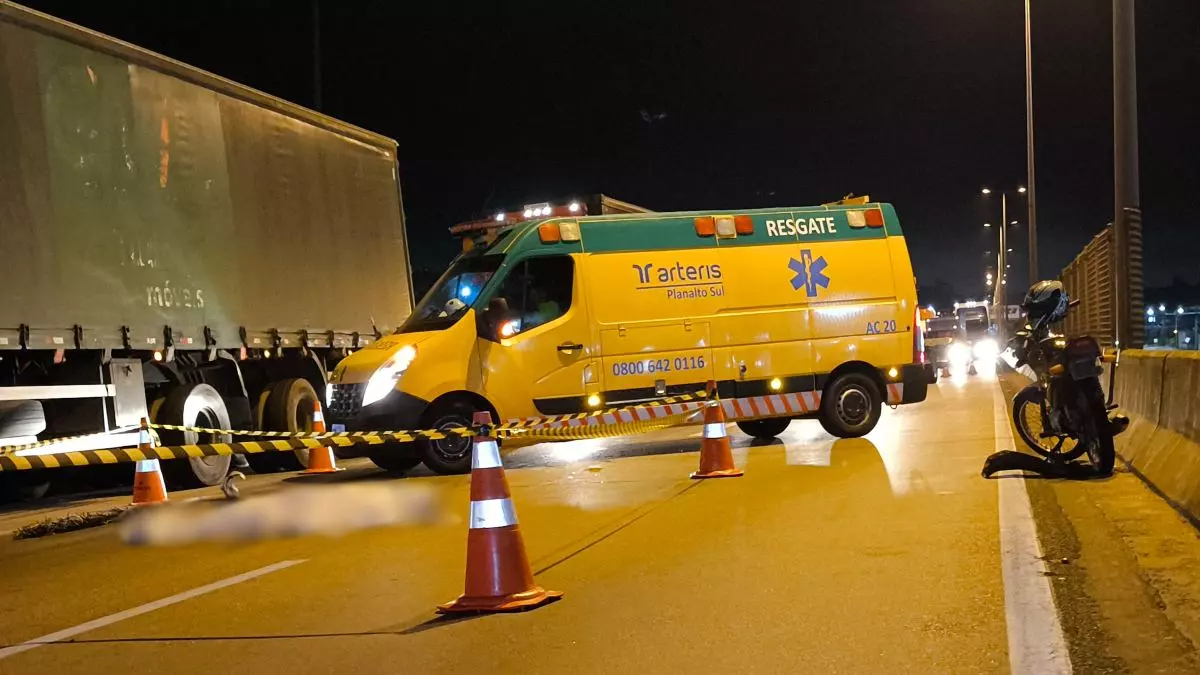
(1127, 220)
(1033, 260)
(316, 25)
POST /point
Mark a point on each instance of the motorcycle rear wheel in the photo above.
(1027, 418)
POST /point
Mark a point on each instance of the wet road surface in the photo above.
(881, 554)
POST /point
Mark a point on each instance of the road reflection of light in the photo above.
(894, 437)
(574, 451)
(741, 455)
(807, 444)
(809, 453)
(960, 374)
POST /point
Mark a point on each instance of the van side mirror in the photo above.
(492, 318)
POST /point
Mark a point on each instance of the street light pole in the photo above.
(1002, 273)
(1000, 291)
(1033, 261)
(1128, 217)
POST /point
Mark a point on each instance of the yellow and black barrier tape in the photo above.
(657, 403)
(10, 449)
(282, 441)
(436, 434)
(588, 431)
(402, 436)
(93, 457)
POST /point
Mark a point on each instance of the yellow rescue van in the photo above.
(565, 312)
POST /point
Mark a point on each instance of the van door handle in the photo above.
(570, 347)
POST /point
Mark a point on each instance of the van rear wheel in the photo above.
(391, 457)
(850, 406)
(765, 429)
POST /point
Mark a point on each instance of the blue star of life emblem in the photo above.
(809, 273)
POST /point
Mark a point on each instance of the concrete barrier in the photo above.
(1160, 391)
(1139, 390)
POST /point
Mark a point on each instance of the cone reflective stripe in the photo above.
(498, 578)
(148, 484)
(490, 513)
(486, 454)
(320, 460)
(716, 454)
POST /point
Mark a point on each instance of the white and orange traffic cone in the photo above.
(499, 578)
(320, 460)
(148, 484)
(716, 454)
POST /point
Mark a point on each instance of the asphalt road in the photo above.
(882, 554)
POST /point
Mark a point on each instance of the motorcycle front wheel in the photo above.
(1027, 418)
(1101, 451)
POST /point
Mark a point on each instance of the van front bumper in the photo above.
(397, 411)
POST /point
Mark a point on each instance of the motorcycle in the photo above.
(1064, 414)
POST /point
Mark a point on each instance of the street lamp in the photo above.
(1001, 299)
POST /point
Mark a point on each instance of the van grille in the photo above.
(345, 400)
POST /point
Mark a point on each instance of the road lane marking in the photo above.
(143, 609)
(1035, 635)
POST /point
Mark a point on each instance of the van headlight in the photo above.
(986, 349)
(384, 379)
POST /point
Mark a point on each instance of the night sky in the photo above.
(693, 105)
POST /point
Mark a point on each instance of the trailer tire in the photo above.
(289, 407)
(194, 405)
(263, 462)
(23, 486)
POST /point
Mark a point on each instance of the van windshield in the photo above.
(453, 294)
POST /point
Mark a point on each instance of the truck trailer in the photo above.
(177, 247)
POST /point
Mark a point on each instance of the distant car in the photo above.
(940, 335)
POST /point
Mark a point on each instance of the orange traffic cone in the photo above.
(716, 455)
(499, 578)
(320, 460)
(148, 484)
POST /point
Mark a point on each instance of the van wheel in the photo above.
(765, 429)
(195, 405)
(391, 457)
(289, 407)
(850, 406)
(453, 453)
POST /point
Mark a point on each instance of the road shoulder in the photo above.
(1125, 570)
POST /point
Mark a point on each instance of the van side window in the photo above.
(539, 290)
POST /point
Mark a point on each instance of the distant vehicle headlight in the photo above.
(383, 381)
(986, 349)
(959, 353)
